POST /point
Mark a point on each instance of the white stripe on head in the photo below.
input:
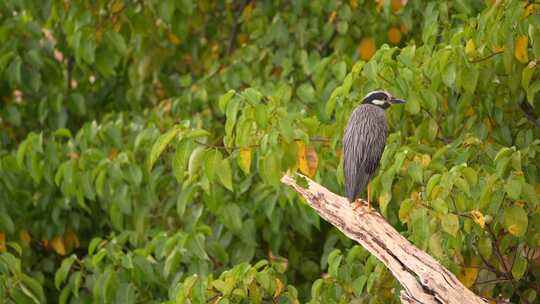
(378, 102)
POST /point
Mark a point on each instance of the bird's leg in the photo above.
(369, 196)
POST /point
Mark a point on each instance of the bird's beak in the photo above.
(394, 100)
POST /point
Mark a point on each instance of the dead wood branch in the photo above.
(423, 279)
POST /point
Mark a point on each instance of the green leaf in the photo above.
(440, 205)
(117, 41)
(224, 100)
(21, 152)
(126, 293)
(405, 210)
(159, 146)
(181, 156)
(306, 92)
(6, 223)
(232, 217)
(503, 153)
(224, 173)
(172, 262)
(252, 96)
(519, 267)
(359, 284)
(485, 247)
(34, 286)
(29, 294)
(340, 70)
(527, 74)
(513, 188)
(432, 182)
(515, 220)
(531, 91)
(413, 105)
(14, 72)
(450, 223)
(194, 133)
(196, 160)
(334, 261)
(211, 164)
(63, 271)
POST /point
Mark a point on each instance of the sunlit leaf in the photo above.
(159, 146)
(515, 220)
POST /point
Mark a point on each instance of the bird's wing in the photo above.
(376, 145)
(354, 153)
(363, 145)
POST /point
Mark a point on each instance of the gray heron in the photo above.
(363, 144)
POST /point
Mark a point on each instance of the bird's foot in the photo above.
(361, 203)
(358, 203)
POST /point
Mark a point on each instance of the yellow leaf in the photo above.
(478, 218)
(415, 196)
(528, 9)
(354, 4)
(403, 28)
(394, 35)
(520, 49)
(514, 229)
(332, 17)
(498, 49)
(2, 242)
(468, 275)
(367, 48)
(174, 39)
(279, 288)
(425, 160)
(244, 161)
(396, 5)
(117, 6)
(25, 237)
(57, 245)
(307, 159)
(470, 48)
(99, 36)
(469, 112)
(380, 4)
(248, 11)
(71, 240)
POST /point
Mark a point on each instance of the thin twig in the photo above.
(508, 274)
(234, 31)
(492, 268)
(492, 281)
(486, 57)
(221, 146)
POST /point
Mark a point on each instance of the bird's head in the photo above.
(381, 99)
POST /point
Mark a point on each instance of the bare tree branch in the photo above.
(423, 279)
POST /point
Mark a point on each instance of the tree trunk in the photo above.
(423, 279)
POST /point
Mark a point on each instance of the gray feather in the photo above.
(363, 145)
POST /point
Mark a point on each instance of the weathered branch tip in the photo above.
(424, 280)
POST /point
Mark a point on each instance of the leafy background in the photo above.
(142, 143)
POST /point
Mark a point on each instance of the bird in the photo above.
(364, 140)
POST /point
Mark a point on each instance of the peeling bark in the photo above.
(423, 279)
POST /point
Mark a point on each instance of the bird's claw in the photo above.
(359, 203)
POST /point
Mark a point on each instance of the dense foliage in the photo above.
(142, 144)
